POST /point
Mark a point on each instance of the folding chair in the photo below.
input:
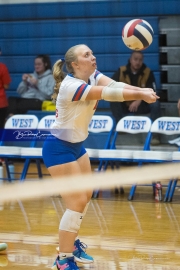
(100, 130)
(36, 152)
(175, 158)
(173, 182)
(99, 125)
(162, 125)
(127, 125)
(16, 134)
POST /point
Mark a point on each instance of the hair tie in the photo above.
(62, 59)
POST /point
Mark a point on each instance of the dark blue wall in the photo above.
(21, 41)
(29, 29)
(88, 9)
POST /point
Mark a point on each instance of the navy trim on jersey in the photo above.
(79, 92)
(96, 74)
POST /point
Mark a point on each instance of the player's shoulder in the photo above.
(70, 79)
(70, 84)
(95, 74)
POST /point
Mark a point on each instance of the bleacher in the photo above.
(23, 40)
(29, 38)
(52, 27)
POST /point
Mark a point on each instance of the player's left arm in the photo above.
(110, 90)
(104, 81)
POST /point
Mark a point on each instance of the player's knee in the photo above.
(81, 202)
(71, 221)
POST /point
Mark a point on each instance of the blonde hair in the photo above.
(58, 73)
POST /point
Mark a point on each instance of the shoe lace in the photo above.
(81, 246)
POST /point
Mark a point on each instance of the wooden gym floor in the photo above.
(120, 234)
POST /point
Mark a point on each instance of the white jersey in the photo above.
(73, 112)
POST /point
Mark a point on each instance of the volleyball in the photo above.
(137, 34)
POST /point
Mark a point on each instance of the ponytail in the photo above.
(58, 75)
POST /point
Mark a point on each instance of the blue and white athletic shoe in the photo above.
(80, 254)
(65, 264)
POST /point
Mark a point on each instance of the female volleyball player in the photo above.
(63, 152)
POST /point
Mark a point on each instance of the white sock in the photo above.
(63, 255)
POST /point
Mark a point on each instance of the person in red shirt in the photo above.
(5, 80)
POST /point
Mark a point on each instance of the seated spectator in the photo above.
(4, 84)
(34, 88)
(136, 73)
